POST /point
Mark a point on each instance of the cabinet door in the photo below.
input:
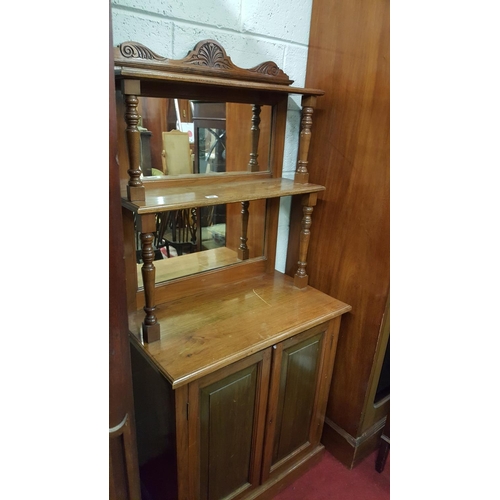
(226, 428)
(301, 374)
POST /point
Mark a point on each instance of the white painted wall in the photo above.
(251, 32)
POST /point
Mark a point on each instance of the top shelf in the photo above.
(207, 65)
(172, 78)
(163, 199)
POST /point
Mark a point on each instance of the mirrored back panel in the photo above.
(197, 239)
(185, 137)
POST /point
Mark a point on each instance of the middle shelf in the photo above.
(165, 198)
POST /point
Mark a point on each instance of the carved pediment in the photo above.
(207, 58)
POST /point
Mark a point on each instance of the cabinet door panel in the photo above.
(227, 412)
(227, 415)
(298, 376)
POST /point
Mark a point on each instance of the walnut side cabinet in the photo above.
(232, 360)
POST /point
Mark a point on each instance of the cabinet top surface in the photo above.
(204, 332)
(160, 199)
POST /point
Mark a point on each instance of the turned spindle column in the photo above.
(150, 325)
(308, 104)
(253, 164)
(243, 252)
(194, 226)
(300, 279)
(135, 188)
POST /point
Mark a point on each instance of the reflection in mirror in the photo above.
(211, 150)
(193, 240)
(180, 136)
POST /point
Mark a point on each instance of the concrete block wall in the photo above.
(251, 32)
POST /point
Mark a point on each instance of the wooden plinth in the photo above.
(135, 194)
(151, 333)
(301, 177)
(300, 281)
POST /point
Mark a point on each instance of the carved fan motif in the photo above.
(212, 55)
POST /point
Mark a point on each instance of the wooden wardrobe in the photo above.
(349, 253)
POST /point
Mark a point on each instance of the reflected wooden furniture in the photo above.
(231, 364)
(146, 166)
(209, 122)
(176, 154)
(193, 263)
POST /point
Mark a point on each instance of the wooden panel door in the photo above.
(227, 417)
(299, 369)
(300, 378)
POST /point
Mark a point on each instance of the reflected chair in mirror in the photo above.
(177, 229)
(176, 154)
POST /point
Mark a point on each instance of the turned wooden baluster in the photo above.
(308, 104)
(135, 188)
(300, 279)
(150, 325)
(253, 164)
(243, 252)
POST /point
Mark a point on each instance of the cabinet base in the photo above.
(272, 487)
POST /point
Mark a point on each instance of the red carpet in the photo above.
(328, 480)
(331, 480)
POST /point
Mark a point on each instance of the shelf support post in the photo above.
(253, 164)
(243, 251)
(302, 174)
(301, 279)
(135, 189)
(150, 325)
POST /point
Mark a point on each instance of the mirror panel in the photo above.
(182, 137)
(194, 240)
